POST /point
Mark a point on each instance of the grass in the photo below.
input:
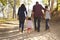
(3, 20)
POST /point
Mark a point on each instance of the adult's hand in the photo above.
(17, 18)
(43, 17)
(26, 18)
(32, 15)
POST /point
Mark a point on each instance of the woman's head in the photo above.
(23, 6)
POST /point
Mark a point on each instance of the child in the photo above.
(29, 25)
(47, 17)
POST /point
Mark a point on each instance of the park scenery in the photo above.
(15, 26)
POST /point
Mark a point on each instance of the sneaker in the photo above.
(19, 29)
(48, 29)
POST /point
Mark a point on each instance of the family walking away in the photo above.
(37, 16)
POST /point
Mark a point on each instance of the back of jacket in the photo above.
(21, 12)
(37, 9)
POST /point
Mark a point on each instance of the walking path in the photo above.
(9, 31)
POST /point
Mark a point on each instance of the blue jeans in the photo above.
(21, 23)
(47, 26)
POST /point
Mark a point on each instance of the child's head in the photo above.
(29, 18)
(46, 7)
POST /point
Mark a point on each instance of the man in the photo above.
(37, 10)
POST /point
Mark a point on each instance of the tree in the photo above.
(14, 3)
(45, 2)
(14, 9)
(52, 2)
(4, 3)
(29, 1)
(58, 4)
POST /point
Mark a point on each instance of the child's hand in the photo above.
(43, 18)
(26, 18)
(32, 15)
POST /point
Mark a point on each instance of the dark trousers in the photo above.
(21, 23)
(37, 23)
(47, 26)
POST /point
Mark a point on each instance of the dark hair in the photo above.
(37, 2)
(22, 6)
(46, 6)
(29, 18)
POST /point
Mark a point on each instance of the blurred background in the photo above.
(9, 24)
(9, 8)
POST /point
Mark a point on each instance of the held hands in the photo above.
(43, 17)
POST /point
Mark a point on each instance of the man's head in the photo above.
(37, 2)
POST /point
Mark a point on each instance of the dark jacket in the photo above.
(37, 9)
(21, 12)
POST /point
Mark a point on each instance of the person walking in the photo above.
(47, 17)
(37, 12)
(29, 25)
(21, 16)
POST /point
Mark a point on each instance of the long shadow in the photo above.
(10, 23)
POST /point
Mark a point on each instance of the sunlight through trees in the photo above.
(14, 5)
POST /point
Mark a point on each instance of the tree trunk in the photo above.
(7, 8)
(14, 9)
(3, 13)
(48, 2)
(52, 2)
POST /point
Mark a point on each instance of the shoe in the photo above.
(19, 29)
(47, 29)
(38, 30)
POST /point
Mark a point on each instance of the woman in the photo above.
(21, 15)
